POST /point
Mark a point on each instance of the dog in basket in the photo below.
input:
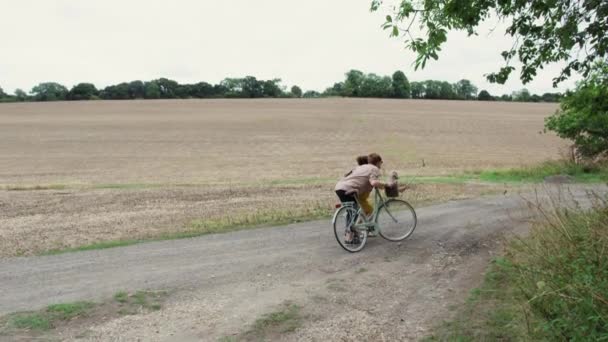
(392, 188)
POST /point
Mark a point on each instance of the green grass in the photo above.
(32, 321)
(492, 312)
(97, 245)
(121, 297)
(34, 187)
(46, 319)
(271, 217)
(260, 217)
(69, 310)
(271, 326)
(551, 285)
(285, 320)
(536, 174)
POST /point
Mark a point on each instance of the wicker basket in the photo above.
(392, 190)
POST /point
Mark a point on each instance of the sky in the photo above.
(307, 43)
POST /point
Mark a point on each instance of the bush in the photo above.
(562, 271)
(583, 117)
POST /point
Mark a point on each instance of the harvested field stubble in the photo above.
(105, 170)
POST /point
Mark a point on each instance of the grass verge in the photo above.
(199, 227)
(538, 173)
(47, 324)
(272, 326)
(48, 318)
(260, 217)
(551, 285)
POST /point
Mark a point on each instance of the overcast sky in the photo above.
(309, 43)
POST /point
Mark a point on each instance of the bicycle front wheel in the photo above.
(343, 220)
(396, 220)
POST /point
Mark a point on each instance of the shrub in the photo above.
(562, 271)
(583, 117)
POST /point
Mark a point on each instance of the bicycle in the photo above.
(394, 219)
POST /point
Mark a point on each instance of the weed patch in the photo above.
(47, 319)
(271, 326)
(551, 285)
(47, 324)
(140, 301)
(538, 173)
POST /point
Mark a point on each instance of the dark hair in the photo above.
(374, 158)
(362, 160)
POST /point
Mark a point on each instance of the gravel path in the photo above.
(221, 283)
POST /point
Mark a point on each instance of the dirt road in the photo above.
(221, 283)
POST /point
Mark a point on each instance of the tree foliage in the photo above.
(83, 91)
(583, 114)
(49, 91)
(20, 95)
(465, 90)
(401, 85)
(571, 31)
(355, 84)
(296, 91)
(484, 95)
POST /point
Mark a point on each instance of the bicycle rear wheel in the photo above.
(343, 220)
(396, 220)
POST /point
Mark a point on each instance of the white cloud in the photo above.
(310, 43)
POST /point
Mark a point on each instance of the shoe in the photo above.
(355, 240)
(372, 233)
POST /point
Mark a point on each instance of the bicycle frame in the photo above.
(372, 222)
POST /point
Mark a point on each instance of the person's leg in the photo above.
(344, 198)
(368, 209)
(364, 202)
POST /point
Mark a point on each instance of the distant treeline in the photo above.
(356, 84)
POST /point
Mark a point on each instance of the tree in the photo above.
(572, 31)
(373, 85)
(49, 91)
(522, 95)
(232, 87)
(311, 94)
(417, 90)
(271, 88)
(116, 92)
(296, 91)
(446, 91)
(485, 96)
(202, 90)
(20, 95)
(465, 90)
(136, 89)
(167, 88)
(336, 90)
(583, 114)
(252, 88)
(506, 98)
(353, 83)
(183, 91)
(401, 86)
(2, 93)
(551, 97)
(151, 90)
(432, 89)
(83, 91)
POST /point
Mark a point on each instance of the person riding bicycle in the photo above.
(360, 181)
